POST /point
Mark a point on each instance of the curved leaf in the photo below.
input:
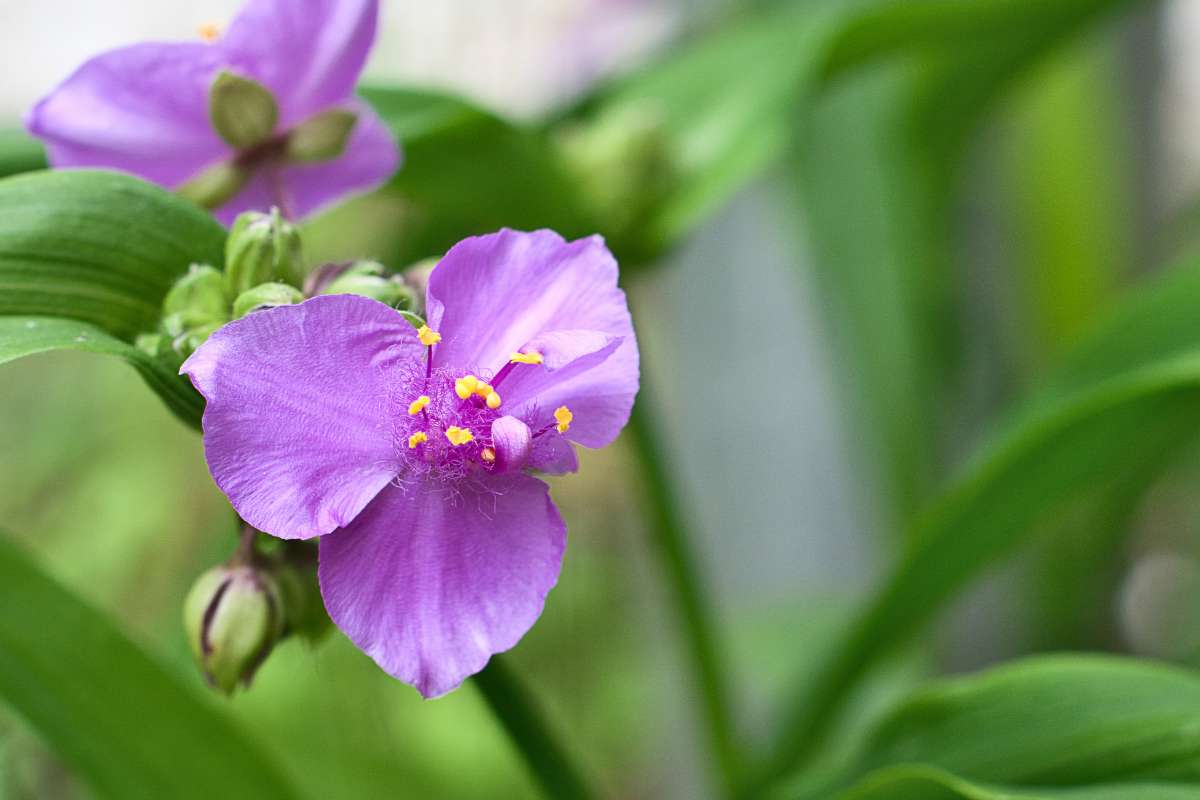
(26, 336)
(1051, 721)
(1119, 408)
(100, 247)
(921, 782)
(20, 152)
(124, 724)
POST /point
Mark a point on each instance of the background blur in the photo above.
(1092, 159)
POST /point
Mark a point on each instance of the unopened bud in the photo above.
(261, 248)
(321, 137)
(296, 574)
(417, 277)
(233, 616)
(199, 296)
(266, 295)
(243, 111)
(367, 278)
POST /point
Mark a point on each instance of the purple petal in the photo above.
(430, 582)
(553, 455)
(296, 430)
(142, 109)
(370, 160)
(512, 441)
(308, 52)
(493, 295)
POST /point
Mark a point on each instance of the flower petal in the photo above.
(512, 441)
(370, 159)
(296, 430)
(308, 52)
(430, 582)
(491, 295)
(142, 109)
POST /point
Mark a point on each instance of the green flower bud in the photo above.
(217, 185)
(198, 297)
(390, 290)
(296, 574)
(417, 276)
(321, 137)
(243, 111)
(233, 616)
(266, 295)
(261, 248)
(187, 341)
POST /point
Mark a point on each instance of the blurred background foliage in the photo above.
(917, 257)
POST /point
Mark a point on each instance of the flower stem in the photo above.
(681, 570)
(516, 710)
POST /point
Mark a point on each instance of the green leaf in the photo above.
(922, 782)
(97, 246)
(1119, 408)
(1051, 721)
(467, 171)
(25, 336)
(20, 152)
(123, 723)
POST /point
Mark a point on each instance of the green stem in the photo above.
(681, 570)
(516, 710)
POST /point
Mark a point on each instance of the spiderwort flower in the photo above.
(263, 115)
(408, 451)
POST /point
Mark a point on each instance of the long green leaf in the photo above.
(1051, 721)
(123, 723)
(97, 246)
(20, 152)
(1121, 407)
(923, 782)
(26, 336)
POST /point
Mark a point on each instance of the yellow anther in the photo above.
(416, 405)
(464, 387)
(492, 400)
(209, 32)
(482, 389)
(488, 455)
(428, 336)
(458, 435)
(532, 357)
(417, 438)
(563, 416)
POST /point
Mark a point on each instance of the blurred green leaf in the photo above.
(1120, 407)
(922, 782)
(25, 336)
(1051, 721)
(98, 251)
(20, 152)
(100, 247)
(467, 171)
(128, 727)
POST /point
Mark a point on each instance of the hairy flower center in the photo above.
(443, 416)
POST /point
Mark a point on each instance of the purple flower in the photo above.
(408, 451)
(145, 109)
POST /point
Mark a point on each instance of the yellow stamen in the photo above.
(492, 400)
(417, 438)
(416, 405)
(209, 32)
(464, 387)
(482, 389)
(563, 416)
(532, 357)
(488, 455)
(458, 435)
(428, 336)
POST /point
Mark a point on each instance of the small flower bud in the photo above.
(321, 137)
(296, 574)
(417, 276)
(366, 278)
(243, 111)
(261, 248)
(233, 616)
(198, 297)
(266, 295)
